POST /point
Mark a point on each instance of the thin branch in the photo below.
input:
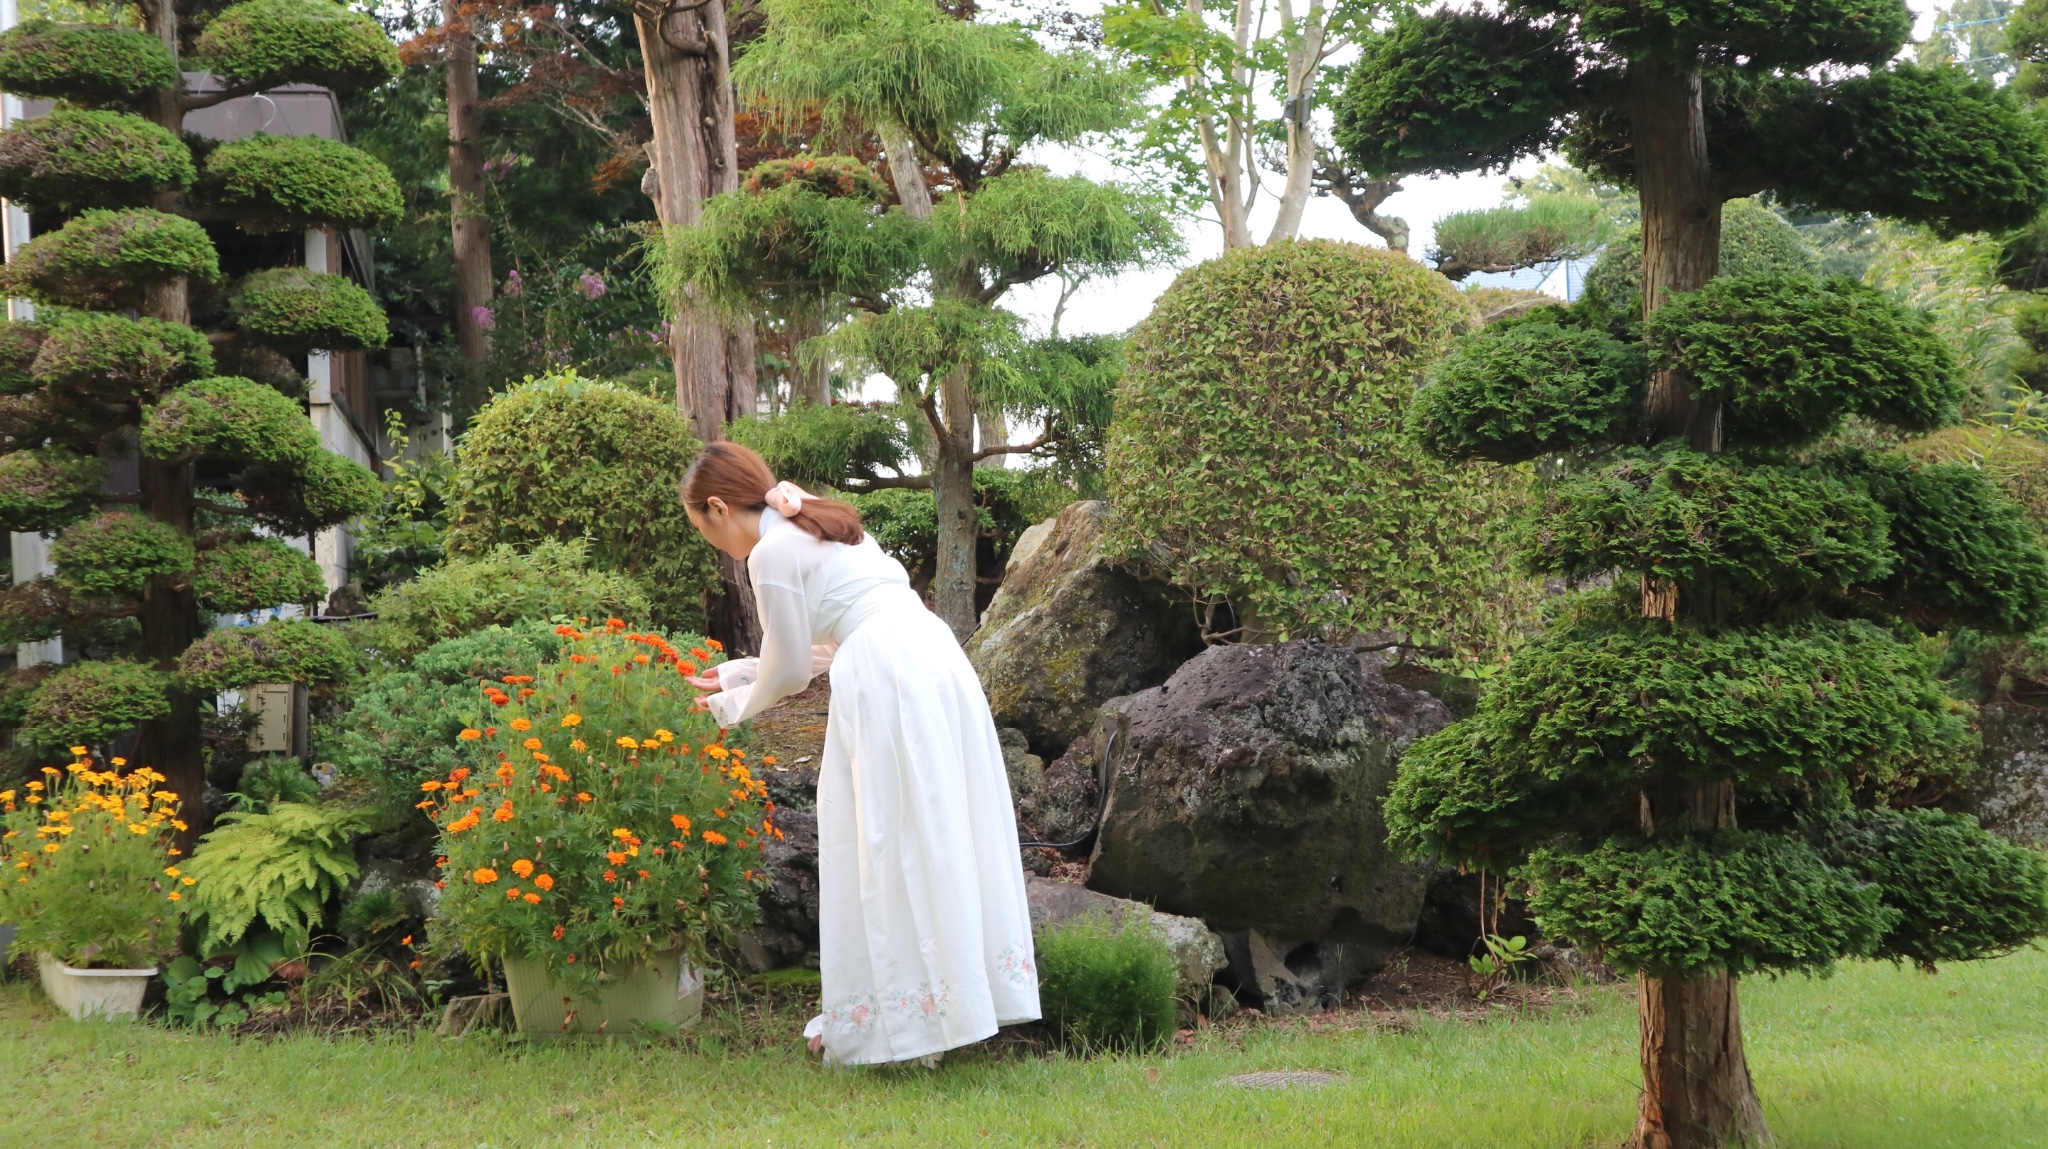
(906, 482)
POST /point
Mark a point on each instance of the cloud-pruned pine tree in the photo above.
(116, 365)
(1709, 769)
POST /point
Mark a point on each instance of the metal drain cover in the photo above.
(1295, 1079)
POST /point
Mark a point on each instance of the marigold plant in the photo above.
(87, 869)
(615, 824)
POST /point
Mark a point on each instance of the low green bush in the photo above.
(500, 587)
(1107, 986)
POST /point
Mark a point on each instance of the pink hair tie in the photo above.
(786, 499)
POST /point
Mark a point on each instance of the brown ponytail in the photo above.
(741, 478)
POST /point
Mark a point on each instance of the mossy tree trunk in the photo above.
(695, 152)
(468, 219)
(1697, 1090)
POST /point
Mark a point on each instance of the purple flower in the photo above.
(483, 318)
(514, 283)
(591, 284)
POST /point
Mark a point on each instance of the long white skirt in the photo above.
(925, 936)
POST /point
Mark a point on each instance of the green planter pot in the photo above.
(663, 990)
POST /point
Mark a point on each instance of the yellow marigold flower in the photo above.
(137, 828)
(180, 827)
(174, 896)
(430, 785)
(572, 720)
(52, 848)
(521, 725)
(522, 867)
(579, 744)
(649, 743)
(485, 876)
(628, 743)
(172, 871)
(665, 735)
(469, 735)
(118, 761)
(79, 750)
(531, 744)
(718, 752)
(188, 881)
(35, 785)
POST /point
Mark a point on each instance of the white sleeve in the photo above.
(786, 657)
(737, 672)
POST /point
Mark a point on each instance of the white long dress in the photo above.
(925, 936)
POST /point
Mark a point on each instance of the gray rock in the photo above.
(1061, 808)
(1247, 791)
(1026, 770)
(2009, 791)
(1197, 950)
(787, 933)
(1070, 629)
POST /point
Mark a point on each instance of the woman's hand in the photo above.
(705, 681)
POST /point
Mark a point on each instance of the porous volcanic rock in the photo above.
(787, 933)
(1247, 791)
(2009, 791)
(1070, 629)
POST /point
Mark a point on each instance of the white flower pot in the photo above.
(102, 993)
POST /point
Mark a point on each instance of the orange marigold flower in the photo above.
(615, 624)
(618, 902)
(502, 814)
(768, 761)
(533, 899)
(686, 668)
(500, 699)
(544, 881)
(557, 935)
(579, 744)
(522, 867)
(458, 775)
(717, 813)
(531, 744)
(700, 652)
(641, 659)
(679, 821)
(522, 725)
(609, 876)
(485, 876)
(572, 720)
(627, 742)
(644, 874)
(526, 693)
(714, 644)
(719, 753)
(571, 959)
(431, 785)
(615, 858)
(714, 837)
(516, 679)
(512, 893)
(469, 735)
(582, 796)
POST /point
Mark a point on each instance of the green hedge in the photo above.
(1516, 391)
(102, 260)
(73, 157)
(85, 64)
(116, 553)
(501, 587)
(266, 43)
(291, 183)
(294, 311)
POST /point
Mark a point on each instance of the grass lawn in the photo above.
(1872, 1058)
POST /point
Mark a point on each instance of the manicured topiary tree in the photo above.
(216, 455)
(1697, 772)
(1257, 453)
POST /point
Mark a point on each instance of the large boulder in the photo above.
(1247, 791)
(1070, 629)
(786, 934)
(2009, 791)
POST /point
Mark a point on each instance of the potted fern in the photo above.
(615, 838)
(88, 880)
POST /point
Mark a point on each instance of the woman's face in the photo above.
(734, 532)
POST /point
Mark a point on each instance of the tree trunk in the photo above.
(1304, 61)
(695, 156)
(809, 382)
(173, 745)
(953, 487)
(994, 432)
(1681, 225)
(469, 218)
(1697, 1092)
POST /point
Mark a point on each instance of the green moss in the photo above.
(323, 490)
(292, 310)
(85, 64)
(244, 576)
(266, 43)
(19, 343)
(116, 553)
(1788, 356)
(1519, 390)
(228, 418)
(99, 355)
(72, 158)
(48, 488)
(92, 703)
(102, 260)
(290, 651)
(1682, 906)
(289, 183)
(1769, 533)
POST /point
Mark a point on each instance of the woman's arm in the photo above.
(785, 663)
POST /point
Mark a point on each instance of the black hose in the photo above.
(1101, 805)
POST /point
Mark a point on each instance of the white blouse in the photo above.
(810, 595)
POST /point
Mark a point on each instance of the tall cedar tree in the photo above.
(219, 441)
(1701, 776)
(966, 98)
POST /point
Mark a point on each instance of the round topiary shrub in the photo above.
(321, 490)
(1754, 241)
(242, 576)
(90, 702)
(19, 344)
(292, 310)
(48, 488)
(228, 418)
(116, 553)
(1107, 986)
(564, 457)
(1519, 390)
(86, 64)
(503, 587)
(264, 43)
(74, 157)
(294, 650)
(94, 354)
(102, 260)
(1258, 456)
(290, 183)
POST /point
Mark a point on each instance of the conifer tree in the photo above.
(115, 370)
(1712, 768)
(964, 99)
